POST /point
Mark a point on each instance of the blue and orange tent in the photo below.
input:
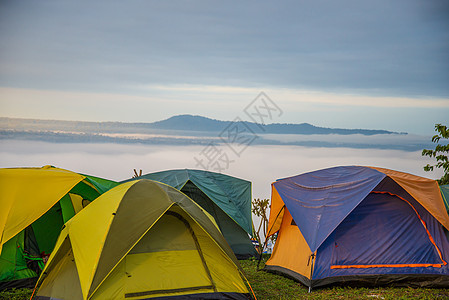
(357, 224)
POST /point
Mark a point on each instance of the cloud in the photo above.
(373, 48)
(348, 64)
(304, 96)
(260, 164)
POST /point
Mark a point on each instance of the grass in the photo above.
(268, 286)
(16, 294)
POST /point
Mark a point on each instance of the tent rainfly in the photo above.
(359, 225)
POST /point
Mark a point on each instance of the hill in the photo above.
(185, 130)
(175, 123)
(199, 123)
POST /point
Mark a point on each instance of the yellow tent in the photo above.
(141, 240)
(35, 203)
(27, 193)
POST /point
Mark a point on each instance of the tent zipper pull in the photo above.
(310, 257)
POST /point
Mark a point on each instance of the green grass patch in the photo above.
(269, 286)
(16, 294)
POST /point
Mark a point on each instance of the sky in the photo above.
(348, 64)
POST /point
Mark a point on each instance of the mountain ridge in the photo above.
(179, 123)
(201, 123)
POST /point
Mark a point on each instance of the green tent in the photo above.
(36, 202)
(226, 198)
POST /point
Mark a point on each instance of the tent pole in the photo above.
(266, 238)
(312, 256)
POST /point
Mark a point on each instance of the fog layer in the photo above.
(259, 164)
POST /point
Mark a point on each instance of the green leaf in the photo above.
(442, 161)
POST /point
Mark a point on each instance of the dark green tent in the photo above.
(445, 194)
(226, 198)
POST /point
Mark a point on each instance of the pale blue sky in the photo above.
(354, 64)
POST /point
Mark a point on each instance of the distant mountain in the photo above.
(187, 130)
(189, 122)
(176, 123)
(199, 123)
